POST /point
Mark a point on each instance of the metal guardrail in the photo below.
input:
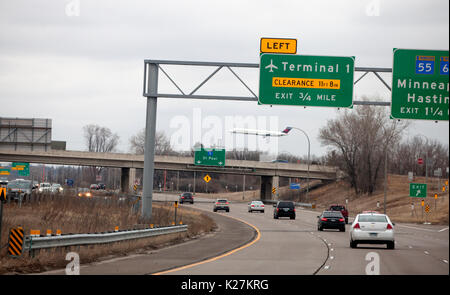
(308, 205)
(36, 243)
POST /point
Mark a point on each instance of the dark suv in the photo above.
(342, 209)
(284, 209)
(186, 197)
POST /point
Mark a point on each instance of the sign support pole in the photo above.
(243, 188)
(150, 130)
(195, 175)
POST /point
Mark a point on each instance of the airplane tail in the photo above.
(286, 130)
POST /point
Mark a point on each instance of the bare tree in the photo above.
(360, 140)
(406, 154)
(101, 140)
(162, 143)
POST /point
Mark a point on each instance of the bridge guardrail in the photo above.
(297, 204)
(37, 243)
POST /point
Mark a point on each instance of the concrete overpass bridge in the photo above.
(269, 172)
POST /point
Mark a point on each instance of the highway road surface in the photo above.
(262, 245)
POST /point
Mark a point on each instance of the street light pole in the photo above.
(385, 178)
(309, 160)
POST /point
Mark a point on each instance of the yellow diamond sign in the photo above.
(207, 178)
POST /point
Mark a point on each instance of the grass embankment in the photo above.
(90, 215)
(398, 201)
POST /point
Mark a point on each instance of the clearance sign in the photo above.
(305, 80)
(277, 45)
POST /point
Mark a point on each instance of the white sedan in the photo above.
(256, 206)
(372, 228)
(56, 188)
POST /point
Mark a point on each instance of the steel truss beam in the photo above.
(229, 66)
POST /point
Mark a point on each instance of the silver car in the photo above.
(256, 206)
(372, 228)
(221, 204)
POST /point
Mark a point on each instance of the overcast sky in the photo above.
(81, 61)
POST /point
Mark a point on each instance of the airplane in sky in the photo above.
(264, 133)
(271, 66)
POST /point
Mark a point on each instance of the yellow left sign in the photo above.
(278, 45)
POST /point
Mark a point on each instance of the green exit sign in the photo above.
(420, 85)
(418, 190)
(305, 80)
(5, 171)
(23, 169)
(209, 157)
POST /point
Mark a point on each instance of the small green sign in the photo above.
(23, 169)
(420, 85)
(209, 157)
(5, 171)
(418, 190)
(305, 80)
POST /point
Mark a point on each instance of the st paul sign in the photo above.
(209, 157)
(305, 80)
(420, 85)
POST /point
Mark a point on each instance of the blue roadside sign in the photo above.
(295, 185)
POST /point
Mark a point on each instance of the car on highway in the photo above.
(56, 188)
(372, 228)
(284, 209)
(45, 187)
(84, 192)
(94, 186)
(341, 208)
(187, 197)
(331, 220)
(221, 204)
(256, 206)
(101, 186)
(19, 189)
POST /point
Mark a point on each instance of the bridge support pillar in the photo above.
(127, 180)
(268, 183)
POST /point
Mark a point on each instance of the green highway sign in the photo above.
(306, 80)
(420, 85)
(209, 157)
(5, 171)
(418, 190)
(23, 169)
